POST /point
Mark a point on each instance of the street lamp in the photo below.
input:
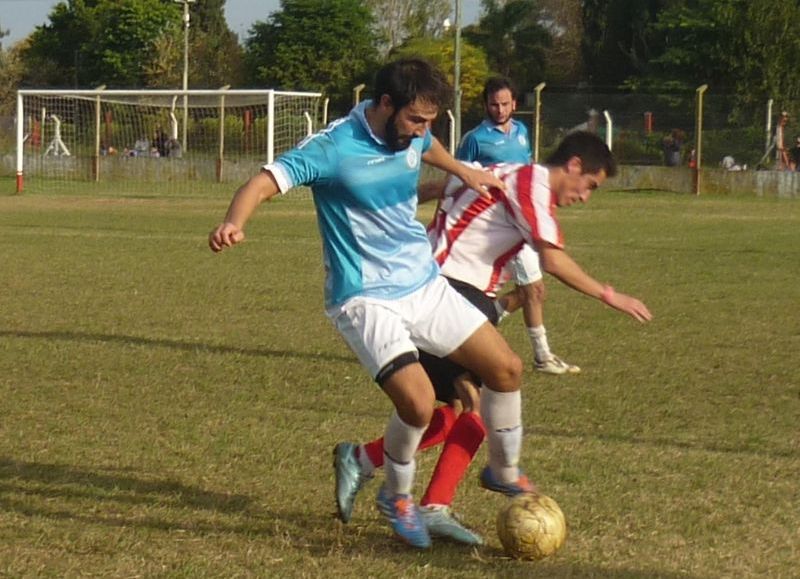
(185, 65)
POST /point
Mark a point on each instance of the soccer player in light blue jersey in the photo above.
(500, 138)
(383, 291)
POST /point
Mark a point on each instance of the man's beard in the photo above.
(393, 139)
(500, 121)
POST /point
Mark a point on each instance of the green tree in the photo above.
(131, 44)
(324, 45)
(10, 75)
(564, 56)
(617, 43)
(769, 44)
(398, 20)
(217, 58)
(90, 42)
(745, 47)
(513, 37)
(440, 52)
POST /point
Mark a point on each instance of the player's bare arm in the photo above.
(258, 189)
(559, 264)
(478, 179)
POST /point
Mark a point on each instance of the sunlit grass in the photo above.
(169, 412)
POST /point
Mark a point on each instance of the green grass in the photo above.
(170, 412)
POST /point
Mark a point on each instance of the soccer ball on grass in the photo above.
(531, 526)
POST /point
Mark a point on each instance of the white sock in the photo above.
(400, 443)
(502, 415)
(541, 349)
(502, 314)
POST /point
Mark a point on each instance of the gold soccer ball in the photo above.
(531, 526)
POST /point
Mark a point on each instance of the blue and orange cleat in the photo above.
(522, 484)
(404, 518)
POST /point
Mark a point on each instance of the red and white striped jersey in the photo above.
(473, 238)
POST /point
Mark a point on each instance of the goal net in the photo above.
(155, 141)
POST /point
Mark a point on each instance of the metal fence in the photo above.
(660, 128)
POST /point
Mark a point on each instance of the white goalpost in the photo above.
(127, 140)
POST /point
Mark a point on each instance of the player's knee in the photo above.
(532, 292)
(515, 370)
(406, 383)
(418, 410)
(508, 374)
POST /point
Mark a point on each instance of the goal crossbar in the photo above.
(89, 115)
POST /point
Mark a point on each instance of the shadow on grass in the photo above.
(172, 344)
(63, 481)
(115, 498)
(487, 561)
(495, 563)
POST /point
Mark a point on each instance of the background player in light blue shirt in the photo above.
(499, 138)
(502, 139)
(383, 292)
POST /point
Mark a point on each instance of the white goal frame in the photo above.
(94, 102)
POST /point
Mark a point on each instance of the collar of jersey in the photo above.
(493, 127)
(359, 114)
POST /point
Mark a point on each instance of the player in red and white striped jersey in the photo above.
(474, 237)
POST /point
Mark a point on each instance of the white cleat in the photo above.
(555, 365)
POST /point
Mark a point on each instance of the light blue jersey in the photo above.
(366, 199)
(488, 144)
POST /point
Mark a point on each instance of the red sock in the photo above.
(460, 447)
(441, 423)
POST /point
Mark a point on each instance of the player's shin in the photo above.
(400, 444)
(460, 447)
(502, 415)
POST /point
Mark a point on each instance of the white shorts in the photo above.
(525, 266)
(435, 318)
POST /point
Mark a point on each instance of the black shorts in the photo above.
(442, 371)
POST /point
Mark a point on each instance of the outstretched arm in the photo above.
(558, 263)
(258, 189)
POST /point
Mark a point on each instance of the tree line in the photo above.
(743, 47)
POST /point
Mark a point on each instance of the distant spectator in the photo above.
(672, 145)
(782, 161)
(729, 164)
(592, 123)
(794, 154)
(141, 147)
(174, 149)
(160, 142)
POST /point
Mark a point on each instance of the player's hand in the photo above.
(225, 235)
(631, 306)
(481, 181)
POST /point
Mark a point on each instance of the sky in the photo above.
(20, 17)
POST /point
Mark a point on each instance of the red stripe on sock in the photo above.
(459, 449)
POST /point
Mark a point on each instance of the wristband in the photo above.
(607, 295)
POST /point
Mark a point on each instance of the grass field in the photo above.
(166, 412)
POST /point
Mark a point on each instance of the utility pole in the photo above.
(185, 66)
(457, 75)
